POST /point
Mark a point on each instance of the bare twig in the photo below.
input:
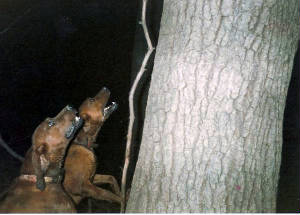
(131, 108)
(9, 150)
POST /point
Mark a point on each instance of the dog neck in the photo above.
(32, 178)
(83, 140)
(87, 136)
(57, 178)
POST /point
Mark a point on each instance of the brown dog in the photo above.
(80, 163)
(39, 189)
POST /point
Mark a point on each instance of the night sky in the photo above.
(54, 53)
(61, 53)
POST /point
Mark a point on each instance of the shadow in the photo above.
(288, 196)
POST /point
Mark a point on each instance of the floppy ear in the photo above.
(40, 165)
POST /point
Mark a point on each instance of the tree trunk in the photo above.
(213, 129)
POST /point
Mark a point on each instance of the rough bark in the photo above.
(213, 129)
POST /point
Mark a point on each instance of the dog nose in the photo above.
(105, 89)
(69, 107)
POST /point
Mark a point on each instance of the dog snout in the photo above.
(78, 121)
(103, 93)
(72, 129)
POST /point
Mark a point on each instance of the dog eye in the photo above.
(51, 122)
(91, 99)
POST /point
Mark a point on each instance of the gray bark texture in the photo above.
(213, 129)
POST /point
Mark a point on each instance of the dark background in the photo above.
(54, 53)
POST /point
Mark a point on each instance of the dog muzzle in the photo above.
(76, 124)
(109, 109)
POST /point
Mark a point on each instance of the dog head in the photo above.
(94, 112)
(49, 142)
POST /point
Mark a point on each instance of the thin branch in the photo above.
(131, 108)
(9, 150)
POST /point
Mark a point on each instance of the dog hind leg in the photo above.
(107, 179)
(90, 190)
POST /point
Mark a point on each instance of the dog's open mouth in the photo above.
(109, 109)
(76, 124)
